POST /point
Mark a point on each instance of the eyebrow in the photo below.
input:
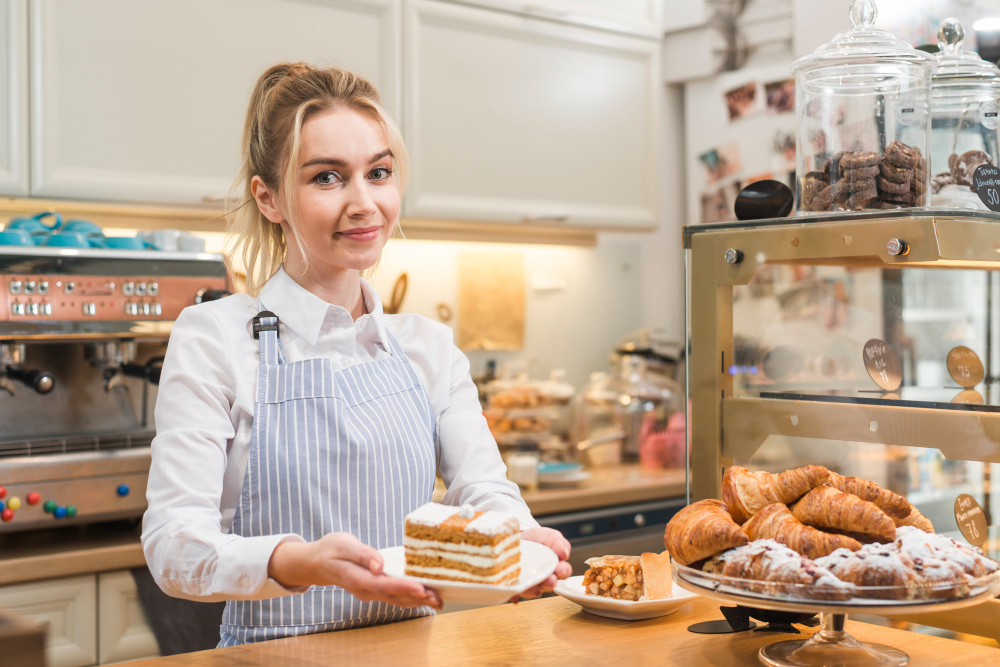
(341, 163)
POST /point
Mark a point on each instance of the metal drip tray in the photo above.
(49, 446)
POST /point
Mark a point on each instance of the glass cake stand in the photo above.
(831, 644)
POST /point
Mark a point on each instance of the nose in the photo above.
(360, 204)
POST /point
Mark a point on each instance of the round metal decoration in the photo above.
(882, 364)
(965, 367)
(971, 519)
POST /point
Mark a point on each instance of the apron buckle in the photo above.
(258, 327)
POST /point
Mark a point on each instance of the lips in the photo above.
(362, 234)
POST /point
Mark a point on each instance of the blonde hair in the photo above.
(283, 99)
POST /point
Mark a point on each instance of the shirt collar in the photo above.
(305, 313)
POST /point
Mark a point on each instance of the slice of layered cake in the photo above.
(461, 544)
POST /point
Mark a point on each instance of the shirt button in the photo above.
(244, 580)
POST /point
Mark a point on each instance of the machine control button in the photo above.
(15, 286)
(33, 498)
(46, 309)
(128, 289)
(122, 490)
(71, 511)
(29, 287)
(131, 309)
(60, 512)
(640, 519)
(140, 289)
(32, 308)
(17, 309)
(145, 309)
(49, 506)
(43, 287)
(7, 515)
(153, 289)
(14, 503)
(70, 288)
(157, 309)
(89, 309)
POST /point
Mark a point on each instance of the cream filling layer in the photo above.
(476, 549)
(459, 574)
(468, 559)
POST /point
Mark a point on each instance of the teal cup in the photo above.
(68, 240)
(17, 237)
(127, 243)
(35, 227)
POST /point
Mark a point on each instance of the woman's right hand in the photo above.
(340, 559)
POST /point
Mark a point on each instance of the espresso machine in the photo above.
(82, 337)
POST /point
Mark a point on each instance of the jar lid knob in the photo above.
(951, 35)
(863, 14)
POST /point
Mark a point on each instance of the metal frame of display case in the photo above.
(723, 427)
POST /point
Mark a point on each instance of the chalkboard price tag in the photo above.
(882, 364)
(971, 519)
(965, 367)
(986, 182)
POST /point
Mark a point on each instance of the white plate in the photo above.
(623, 610)
(537, 563)
(563, 479)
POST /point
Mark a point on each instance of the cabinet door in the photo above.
(640, 17)
(512, 119)
(123, 632)
(67, 607)
(145, 101)
(14, 97)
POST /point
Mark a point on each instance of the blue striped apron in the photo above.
(349, 450)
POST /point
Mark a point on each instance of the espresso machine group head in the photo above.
(85, 330)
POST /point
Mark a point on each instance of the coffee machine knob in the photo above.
(33, 498)
(122, 490)
(60, 512)
(49, 507)
(7, 515)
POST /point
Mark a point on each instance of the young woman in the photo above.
(297, 424)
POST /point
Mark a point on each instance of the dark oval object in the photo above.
(764, 199)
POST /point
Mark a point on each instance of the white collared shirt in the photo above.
(205, 409)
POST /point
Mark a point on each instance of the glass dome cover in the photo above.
(863, 44)
(956, 65)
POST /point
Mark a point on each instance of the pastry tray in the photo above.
(779, 596)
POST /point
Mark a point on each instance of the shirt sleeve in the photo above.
(468, 458)
(186, 550)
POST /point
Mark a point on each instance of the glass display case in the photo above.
(779, 312)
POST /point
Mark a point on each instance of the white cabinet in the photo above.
(515, 119)
(123, 632)
(640, 17)
(68, 607)
(13, 97)
(145, 101)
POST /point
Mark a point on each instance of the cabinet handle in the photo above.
(545, 217)
(545, 11)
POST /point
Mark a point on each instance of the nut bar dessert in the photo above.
(461, 544)
(632, 578)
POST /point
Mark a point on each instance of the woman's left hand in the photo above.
(554, 540)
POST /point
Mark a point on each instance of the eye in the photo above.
(326, 177)
(380, 173)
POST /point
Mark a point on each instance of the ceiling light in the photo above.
(986, 25)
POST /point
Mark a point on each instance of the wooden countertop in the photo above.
(616, 485)
(554, 631)
(64, 552)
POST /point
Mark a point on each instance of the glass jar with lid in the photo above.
(862, 103)
(965, 113)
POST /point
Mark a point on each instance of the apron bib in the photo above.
(348, 450)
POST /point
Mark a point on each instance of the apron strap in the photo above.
(265, 329)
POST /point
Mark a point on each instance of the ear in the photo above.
(267, 202)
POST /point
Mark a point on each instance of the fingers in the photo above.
(347, 547)
(548, 585)
(564, 570)
(551, 538)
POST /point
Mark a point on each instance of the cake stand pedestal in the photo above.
(831, 647)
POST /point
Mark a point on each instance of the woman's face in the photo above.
(347, 200)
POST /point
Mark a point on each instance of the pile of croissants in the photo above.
(828, 532)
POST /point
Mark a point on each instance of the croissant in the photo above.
(827, 507)
(774, 564)
(700, 530)
(895, 506)
(777, 523)
(746, 493)
(917, 520)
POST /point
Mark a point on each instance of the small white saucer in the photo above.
(537, 563)
(623, 610)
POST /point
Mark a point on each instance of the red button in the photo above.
(33, 498)
(3, 492)
(7, 515)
